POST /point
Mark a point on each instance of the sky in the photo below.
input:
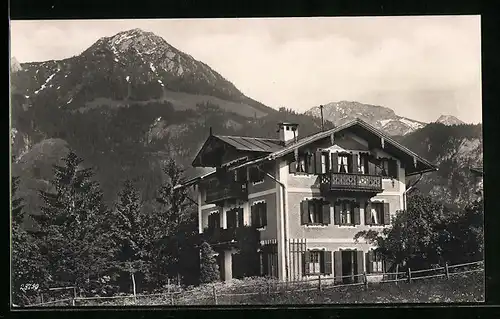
(421, 67)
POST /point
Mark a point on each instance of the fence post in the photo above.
(74, 296)
(319, 282)
(447, 271)
(215, 294)
(397, 274)
(409, 275)
(365, 280)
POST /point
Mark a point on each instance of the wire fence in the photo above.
(265, 288)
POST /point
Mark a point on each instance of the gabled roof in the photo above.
(273, 148)
(253, 144)
(427, 166)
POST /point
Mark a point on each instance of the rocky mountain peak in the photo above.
(15, 65)
(449, 120)
(380, 116)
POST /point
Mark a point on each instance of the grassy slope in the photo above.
(460, 288)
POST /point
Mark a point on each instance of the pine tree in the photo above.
(74, 236)
(209, 269)
(28, 269)
(130, 230)
(175, 216)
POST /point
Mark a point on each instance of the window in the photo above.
(324, 162)
(214, 220)
(384, 167)
(347, 212)
(363, 164)
(377, 213)
(234, 218)
(314, 262)
(343, 163)
(304, 164)
(256, 175)
(374, 262)
(314, 212)
(258, 213)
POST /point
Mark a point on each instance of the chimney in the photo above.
(288, 132)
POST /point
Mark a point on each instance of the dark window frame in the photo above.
(379, 209)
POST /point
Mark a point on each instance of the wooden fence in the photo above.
(273, 286)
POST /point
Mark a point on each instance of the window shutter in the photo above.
(360, 266)
(369, 259)
(336, 214)
(327, 262)
(240, 217)
(393, 168)
(387, 214)
(304, 212)
(305, 260)
(310, 163)
(337, 259)
(354, 165)
(356, 214)
(326, 213)
(253, 215)
(293, 167)
(368, 215)
(264, 214)
(317, 167)
(335, 163)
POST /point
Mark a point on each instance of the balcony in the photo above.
(231, 237)
(231, 190)
(351, 182)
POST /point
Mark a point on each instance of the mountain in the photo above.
(455, 150)
(124, 105)
(449, 120)
(379, 116)
(131, 66)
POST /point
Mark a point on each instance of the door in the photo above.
(349, 266)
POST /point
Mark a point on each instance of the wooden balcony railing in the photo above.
(231, 190)
(231, 236)
(351, 182)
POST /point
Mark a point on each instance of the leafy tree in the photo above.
(27, 263)
(209, 269)
(424, 235)
(73, 234)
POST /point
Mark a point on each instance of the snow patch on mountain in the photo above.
(45, 84)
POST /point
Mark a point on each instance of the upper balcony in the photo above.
(351, 182)
(218, 191)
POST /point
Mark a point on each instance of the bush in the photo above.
(209, 270)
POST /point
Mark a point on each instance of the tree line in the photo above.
(79, 241)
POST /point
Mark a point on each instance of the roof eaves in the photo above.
(194, 180)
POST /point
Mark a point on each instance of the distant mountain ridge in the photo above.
(381, 117)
